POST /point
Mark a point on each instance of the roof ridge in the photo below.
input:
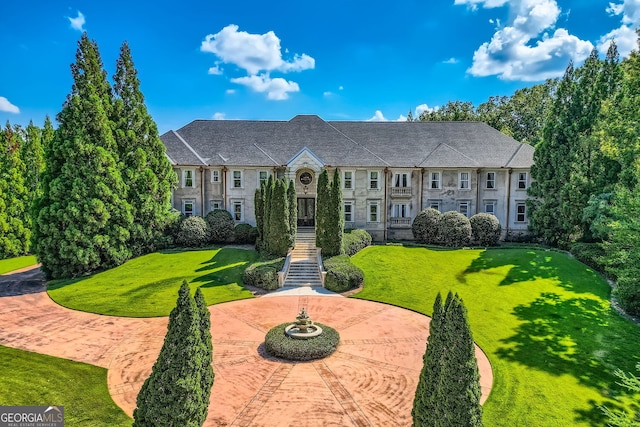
(189, 147)
(514, 154)
(255, 144)
(429, 155)
(358, 144)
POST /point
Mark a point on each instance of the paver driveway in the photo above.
(369, 381)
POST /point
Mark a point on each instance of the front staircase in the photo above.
(303, 263)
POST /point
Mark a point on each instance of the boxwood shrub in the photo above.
(342, 275)
(485, 229)
(192, 232)
(221, 226)
(354, 241)
(263, 274)
(425, 226)
(245, 233)
(279, 344)
(454, 229)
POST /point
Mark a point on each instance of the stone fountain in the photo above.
(303, 328)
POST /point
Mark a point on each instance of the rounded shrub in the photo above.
(245, 233)
(454, 229)
(425, 226)
(355, 240)
(263, 274)
(485, 229)
(192, 232)
(342, 275)
(221, 226)
(279, 344)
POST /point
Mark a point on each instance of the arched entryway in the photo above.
(306, 192)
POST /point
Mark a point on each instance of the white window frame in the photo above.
(491, 203)
(350, 180)
(490, 181)
(215, 204)
(372, 180)
(215, 175)
(186, 202)
(234, 179)
(461, 181)
(370, 211)
(523, 180)
(260, 180)
(435, 204)
(521, 215)
(186, 175)
(348, 213)
(234, 211)
(467, 207)
(438, 180)
(400, 210)
(401, 180)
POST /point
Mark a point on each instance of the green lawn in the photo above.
(543, 319)
(32, 379)
(10, 264)
(148, 286)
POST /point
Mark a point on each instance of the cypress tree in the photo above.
(33, 155)
(258, 209)
(335, 218)
(293, 212)
(205, 335)
(173, 394)
(83, 215)
(279, 231)
(323, 195)
(144, 166)
(266, 221)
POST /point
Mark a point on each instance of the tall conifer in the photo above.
(207, 358)
(323, 196)
(293, 212)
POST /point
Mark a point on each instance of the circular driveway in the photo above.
(369, 381)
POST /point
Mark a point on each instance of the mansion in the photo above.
(390, 171)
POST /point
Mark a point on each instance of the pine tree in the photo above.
(83, 215)
(205, 335)
(293, 212)
(14, 196)
(173, 394)
(323, 196)
(144, 166)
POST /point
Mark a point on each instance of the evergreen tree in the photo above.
(323, 196)
(335, 218)
(258, 203)
(173, 394)
(279, 231)
(33, 155)
(14, 196)
(205, 335)
(266, 227)
(83, 215)
(144, 166)
(293, 212)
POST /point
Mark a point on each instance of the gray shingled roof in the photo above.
(341, 143)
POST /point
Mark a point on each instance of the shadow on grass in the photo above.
(580, 337)
(225, 268)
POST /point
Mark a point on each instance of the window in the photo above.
(215, 204)
(400, 210)
(434, 204)
(491, 180)
(463, 208)
(347, 179)
(490, 207)
(188, 207)
(237, 179)
(464, 180)
(374, 178)
(521, 212)
(215, 176)
(435, 180)
(187, 178)
(263, 177)
(348, 211)
(374, 211)
(522, 181)
(401, 180)
(237, 211)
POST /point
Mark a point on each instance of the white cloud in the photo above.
(527, 47)
(230, 91)
(422, 108)
(8, 107)
(253, 52)
(218, 116)
(327, 94)
(378, 117)
(450, 61)
(340, 87)
(215, 70)
(625, 35)
(402, 118)
(277, 89)
(78, 22)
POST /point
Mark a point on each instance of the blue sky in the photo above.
(342, 60)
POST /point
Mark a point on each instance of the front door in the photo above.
(306, 212)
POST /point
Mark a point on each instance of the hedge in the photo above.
(264, 274)
(221, 226)
(485, 229)
(245, 233)
(454, 229)
(425, 226)
(192, 232)
(355, 240)
(342, 275)
(279, 344)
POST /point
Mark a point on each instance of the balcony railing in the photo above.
(400, 222)
(401, 191)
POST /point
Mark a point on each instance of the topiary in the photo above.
(277, 343)
(264, 274)
(342, 274)
(192, 232)
(485, 229)
(454, 229)
(245, 233)
(425, 226)
(355, 240)
(221, 226)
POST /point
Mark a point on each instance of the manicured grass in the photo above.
(148, 286)
(543, 319)
(10, 264)
(32, 379)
